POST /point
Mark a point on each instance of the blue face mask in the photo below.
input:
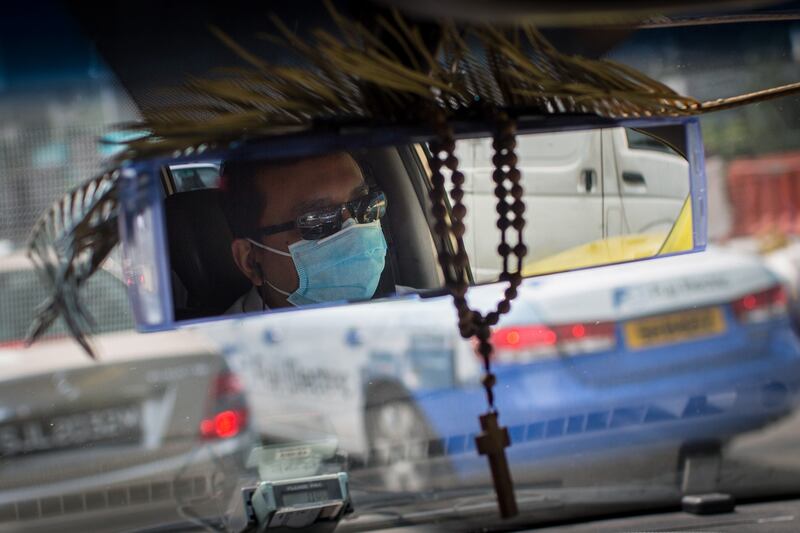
(345, 266)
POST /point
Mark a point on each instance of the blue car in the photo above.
(685, 350)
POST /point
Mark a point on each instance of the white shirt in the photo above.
(248, 302)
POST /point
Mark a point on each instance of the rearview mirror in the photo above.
(598, 192)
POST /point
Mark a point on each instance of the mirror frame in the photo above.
(154, 309)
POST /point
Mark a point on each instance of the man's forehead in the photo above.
(323, 200)
(322, 170)
(310, 165)
(311, 182)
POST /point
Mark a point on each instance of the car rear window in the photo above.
(192, 178)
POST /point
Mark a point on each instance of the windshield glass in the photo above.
(622, 388)
(23, 292)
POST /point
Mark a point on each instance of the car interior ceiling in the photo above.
(205, 280)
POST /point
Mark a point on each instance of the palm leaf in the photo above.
(352, 73)
(68, 244)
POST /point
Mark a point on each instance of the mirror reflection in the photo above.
(593, 197)
(253, 235)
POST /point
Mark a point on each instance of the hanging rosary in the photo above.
(494, 439)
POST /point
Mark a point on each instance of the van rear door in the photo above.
(562, 176)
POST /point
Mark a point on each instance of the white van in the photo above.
(580, 187)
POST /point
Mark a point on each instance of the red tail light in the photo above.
(524, 337)
(761, 306)
(224, 425)
(587, 337)
(228, 414)
(527, 342)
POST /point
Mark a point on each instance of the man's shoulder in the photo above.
(400, 290)
(248, 302)
(237, 306)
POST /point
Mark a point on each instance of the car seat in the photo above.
(205, 280)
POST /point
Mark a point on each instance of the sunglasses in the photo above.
(326, 221)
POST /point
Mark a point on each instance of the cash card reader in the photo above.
(314, 504)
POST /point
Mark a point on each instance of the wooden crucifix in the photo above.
(492, 443)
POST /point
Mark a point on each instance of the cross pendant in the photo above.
(492, 442)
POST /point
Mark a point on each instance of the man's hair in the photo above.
(242, 199)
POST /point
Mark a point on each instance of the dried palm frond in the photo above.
(67, 245)
(389, 74)
(750, 98)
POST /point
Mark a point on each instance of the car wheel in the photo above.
(402, 445)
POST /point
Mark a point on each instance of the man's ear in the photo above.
(243, 256)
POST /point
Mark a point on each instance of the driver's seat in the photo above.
(205, 280)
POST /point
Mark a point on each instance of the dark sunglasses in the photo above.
(326, 221)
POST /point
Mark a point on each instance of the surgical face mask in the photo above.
(345, 266)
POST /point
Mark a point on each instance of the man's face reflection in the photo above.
(287, 191)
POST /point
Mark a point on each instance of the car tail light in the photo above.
(224, 425)
(761, 306)
(228, 415)
(587, 337)
(529, 341)
(518, 337)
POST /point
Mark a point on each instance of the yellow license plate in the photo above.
(675, 327)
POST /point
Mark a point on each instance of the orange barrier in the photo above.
(765, 194)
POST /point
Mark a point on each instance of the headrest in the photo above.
(200, 254)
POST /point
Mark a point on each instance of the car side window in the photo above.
(186, 179)
(209, 176)
(194, 178)
(640, 141)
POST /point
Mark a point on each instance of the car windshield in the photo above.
(623, 388)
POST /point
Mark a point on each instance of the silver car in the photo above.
(156, 430)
